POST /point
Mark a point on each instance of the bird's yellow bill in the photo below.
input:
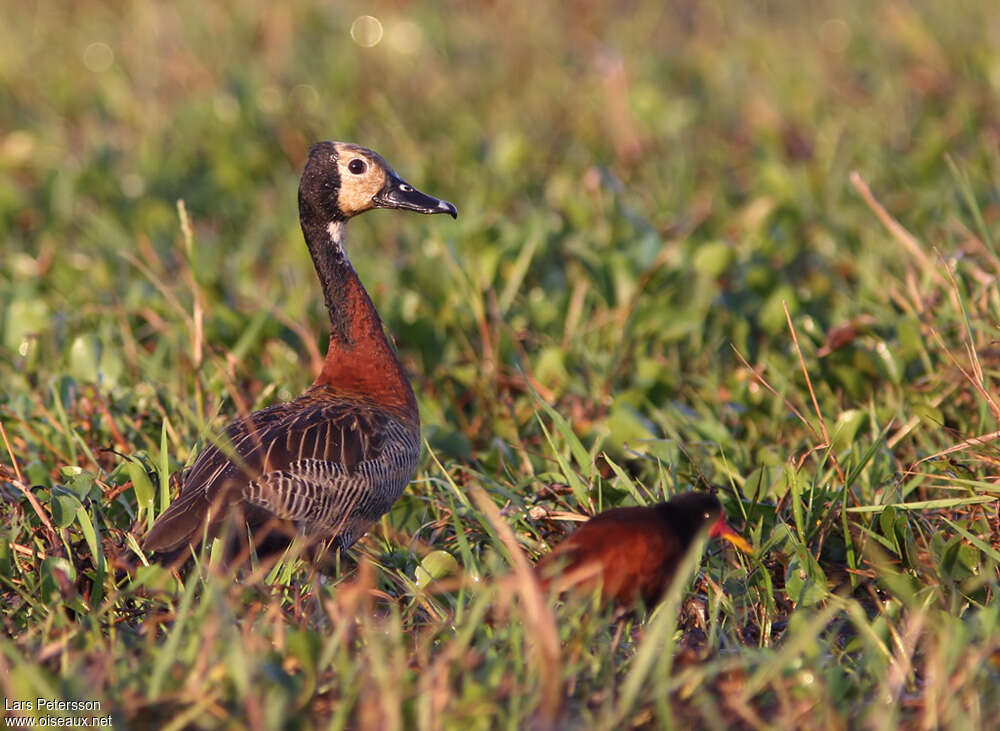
(724, 531)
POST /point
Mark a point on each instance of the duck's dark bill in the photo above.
(398, 193)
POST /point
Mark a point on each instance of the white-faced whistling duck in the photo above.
(632, 553)
(330, 463)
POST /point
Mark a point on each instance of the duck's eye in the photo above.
(706, 516)
(357, 166)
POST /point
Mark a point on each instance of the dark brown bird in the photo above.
(632, 553)
(330, 463)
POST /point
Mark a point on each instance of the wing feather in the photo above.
(278, 459)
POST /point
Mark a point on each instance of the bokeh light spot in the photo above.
(133, 185)
(269, 100)
(98, 57)
(305, 97)
(835, 34)
(17, 147)
(366, 31)
(227, 108)
(405, 37)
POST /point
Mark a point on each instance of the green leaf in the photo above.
(6, 558)
(58, 576)
(626, 481)
(713, 258)
(805, 582)
(85, 358)
(627, 426)
(63, 506)
(89, 533)
(887, 521)
(435, 565)
(143, 488)
(845, 430)
(976, 541)
(154, 578)
(25, 317)
(164, 469)
(891, 366)
(78, 481)
(939, 504)
(909, 332)
(772, 313)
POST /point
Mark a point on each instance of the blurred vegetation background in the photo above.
(643, 189)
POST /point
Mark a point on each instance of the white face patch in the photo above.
(358, 186)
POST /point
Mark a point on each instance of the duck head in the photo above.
(342, 180)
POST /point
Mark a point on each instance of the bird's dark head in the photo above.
(342, 180)
(698, 509)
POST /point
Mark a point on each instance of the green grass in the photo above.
(644, 192)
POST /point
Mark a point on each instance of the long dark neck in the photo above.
(325, 238)
(359, 359)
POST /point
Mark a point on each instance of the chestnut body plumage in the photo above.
(632, 553)
(329, 463)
